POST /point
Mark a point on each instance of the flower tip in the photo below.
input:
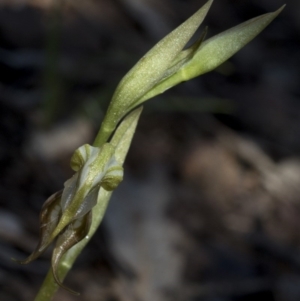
(279, 10)
(207, 5)
(25, 261)
(58, 282)
(16, 260)
(274, 14)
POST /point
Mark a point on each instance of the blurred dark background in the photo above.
(210, 206)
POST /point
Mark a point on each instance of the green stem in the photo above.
(49, 286)
(102, 136)
(108, 126)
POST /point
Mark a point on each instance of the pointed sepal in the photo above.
(72, 234)
(49, 217)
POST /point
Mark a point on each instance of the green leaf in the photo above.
(150, 69)
(221, 47)
(124, 134)
(214, 52)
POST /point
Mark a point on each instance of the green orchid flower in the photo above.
(67, 214)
